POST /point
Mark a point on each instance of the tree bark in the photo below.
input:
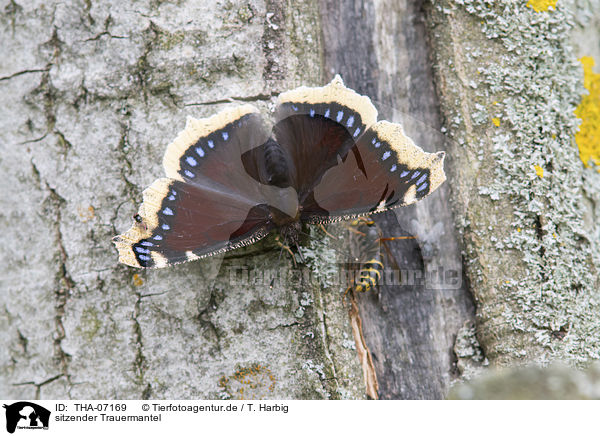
(92, 92)
(380, 48)
(527, 209)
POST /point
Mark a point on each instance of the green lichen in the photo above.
(533, 75)
(304, 37)
(89, 323)
(321, 257)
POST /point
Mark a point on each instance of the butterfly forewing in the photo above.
(208, 202)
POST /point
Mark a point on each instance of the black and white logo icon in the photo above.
(26, 415)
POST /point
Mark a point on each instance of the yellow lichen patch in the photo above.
(496, 121)
(86, 214)
(137, 280)
(541, 5)
(539, 170)
(249, 383)
(588, 137)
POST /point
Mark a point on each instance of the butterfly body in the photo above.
(230, 180)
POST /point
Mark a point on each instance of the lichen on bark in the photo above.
(531, 251)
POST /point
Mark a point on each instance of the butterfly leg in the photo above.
(322, 227)
(288, 249)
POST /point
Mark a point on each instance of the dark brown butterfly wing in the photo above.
(182, 222)
(317, 127)
(208, 203)
(384, 169)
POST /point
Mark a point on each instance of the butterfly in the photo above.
(231, 179)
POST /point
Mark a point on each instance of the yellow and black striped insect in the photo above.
(366, 242)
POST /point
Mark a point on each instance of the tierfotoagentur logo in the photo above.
(26, 415)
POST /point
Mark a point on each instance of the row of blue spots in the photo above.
(376, 143)
(200, 152)
(339, 117)
(422, 181)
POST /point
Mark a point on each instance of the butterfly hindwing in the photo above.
(182, 222)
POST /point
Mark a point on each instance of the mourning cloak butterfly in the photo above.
(230, 180)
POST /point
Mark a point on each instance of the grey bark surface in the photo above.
(410, 327)
(92, 93)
